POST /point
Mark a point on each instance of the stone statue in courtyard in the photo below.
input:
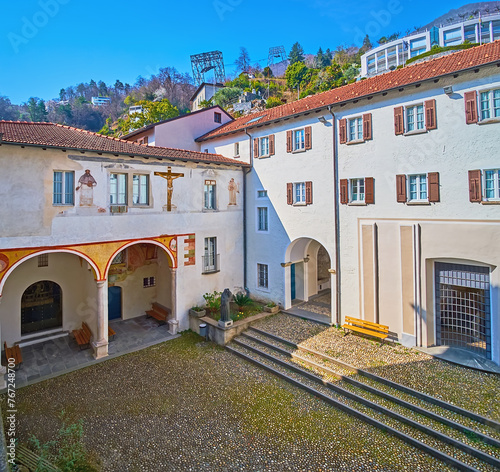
(225, 314)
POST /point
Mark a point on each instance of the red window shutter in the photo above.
(367, 126)
(343, 131)
(271, 145)
(308, 136)
(398, 121)
(433, 179)
(470, 99)
(401, 188)
(309, 193)
(289, 194)
(475, 191)
(344, 191)
(369, 190)
(256, 147)
(430, 114)
(289, 141)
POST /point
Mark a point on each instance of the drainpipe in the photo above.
(337, 219)
(245, 173)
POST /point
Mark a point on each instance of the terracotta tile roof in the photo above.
(415, 73)
(65, 137)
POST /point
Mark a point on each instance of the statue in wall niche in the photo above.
(86, 184)
(225, 314)
(233, 188)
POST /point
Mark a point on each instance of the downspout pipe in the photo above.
(336, 204)
(245, 173)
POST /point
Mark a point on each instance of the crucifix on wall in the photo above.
(170, 177)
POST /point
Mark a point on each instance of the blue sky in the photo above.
(46, 45)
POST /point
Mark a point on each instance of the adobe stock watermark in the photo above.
(225, 6)
(31, 26)
(381, 19)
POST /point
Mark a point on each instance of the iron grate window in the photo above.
(149, 282)
(43, 260)
(463, 309)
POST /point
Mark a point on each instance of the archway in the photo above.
(308, 277)
(41, 307)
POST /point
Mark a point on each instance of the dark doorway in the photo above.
(114, 302)
(41, 307)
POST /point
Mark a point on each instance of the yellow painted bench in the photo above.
(365, 327)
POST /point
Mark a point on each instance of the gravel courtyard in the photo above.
(188, 405)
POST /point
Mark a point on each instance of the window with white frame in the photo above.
(489, 102)
(415, 117)
(209, 195)
(263, 276)
(64, 183)
(492, 185)
(357, 190)
(236, 149)
(356, 128)
(299, 142)
(299, 193)
(210, 255)
(261, 193)
(262, 219)
(118, 189)
(264, 146)
(140, 189)
(417, 187)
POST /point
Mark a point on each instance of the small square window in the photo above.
(263, 276)
(261, 193)
(217, 117)
(43, 260)
(149, 282)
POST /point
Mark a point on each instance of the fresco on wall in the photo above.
(86, 184)
(233, 188)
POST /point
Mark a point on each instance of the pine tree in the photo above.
(296, 54)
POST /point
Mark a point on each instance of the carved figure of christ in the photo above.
(169, 176)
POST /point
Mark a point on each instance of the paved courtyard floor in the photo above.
(189, 405)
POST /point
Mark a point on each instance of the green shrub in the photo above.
(241, 299)
(273, 102)
(213, 301)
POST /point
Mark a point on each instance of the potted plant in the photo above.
(212, 301)
(197, 311)
(271, 307)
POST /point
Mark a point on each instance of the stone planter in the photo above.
(272, 309)
(198, 314)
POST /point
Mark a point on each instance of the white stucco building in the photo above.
(402, 219)
(92, 229)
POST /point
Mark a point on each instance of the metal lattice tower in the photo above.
(276, 52)
(206, 61)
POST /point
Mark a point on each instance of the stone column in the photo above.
(100, 343)
(173, 322)
(3, 370)
(333, 299)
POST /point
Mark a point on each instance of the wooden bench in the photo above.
(33, 461)
(83, 335)
(111, 333)
(159, 312)
(365, 327)
(13, 352)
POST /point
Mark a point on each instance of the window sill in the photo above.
(264, 157)
(357, 204)
(296, 151)
(65, 205)
(489, 121)
(416, 202)
(263, 289)
(140, 206)
(355, 141)
(210, 210)
(207, 272)
(299, 204)
(490, 202)
(417, 131)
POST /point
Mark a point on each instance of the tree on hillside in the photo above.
(322, 59)
(367, 45)
(7, 110)
(152, 112)
(227, 96)
(296, 75)
(267, 72)
(243, 61)
(36, 110)
(296, 54)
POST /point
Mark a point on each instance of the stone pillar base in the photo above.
(173, 326)
(100, 349)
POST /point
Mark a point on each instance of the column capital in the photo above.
(101, 283)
